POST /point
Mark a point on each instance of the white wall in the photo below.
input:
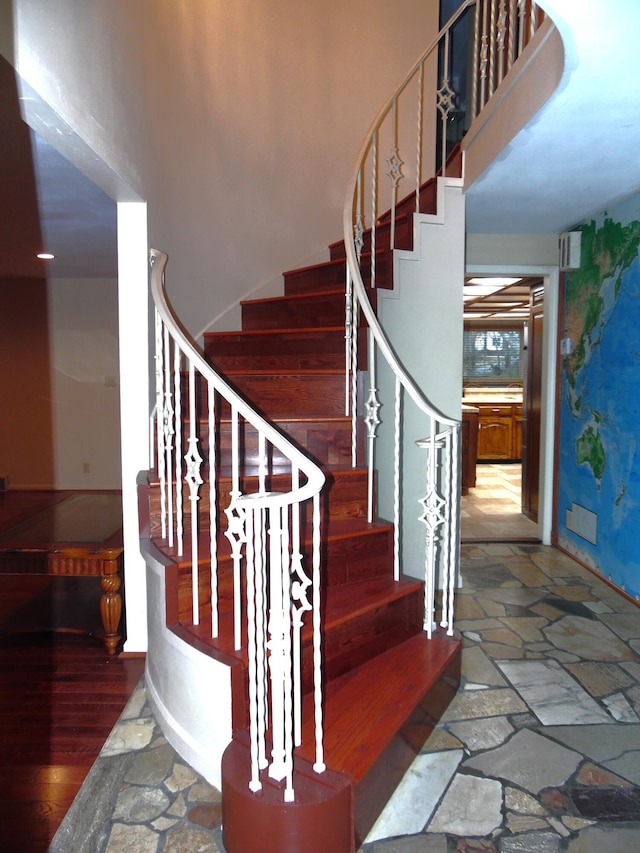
(85, 404)
(423, 319)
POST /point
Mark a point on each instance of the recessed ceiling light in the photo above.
(45, 256)
(494, 281)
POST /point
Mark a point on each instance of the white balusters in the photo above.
(213, 507)
(395, 164)
(371, 420)
(193, 478)
(177, 386)
(318, 765)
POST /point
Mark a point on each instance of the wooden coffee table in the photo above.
(80, 535)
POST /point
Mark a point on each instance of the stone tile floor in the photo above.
(539, 752)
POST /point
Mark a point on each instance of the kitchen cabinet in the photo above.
(499, 431)
(495, 432)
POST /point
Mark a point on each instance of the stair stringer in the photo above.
(189, 691)
(422, 316)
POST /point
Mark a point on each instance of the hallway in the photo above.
(490, 512)
(538, 753)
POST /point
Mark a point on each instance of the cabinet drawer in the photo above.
(495, 411)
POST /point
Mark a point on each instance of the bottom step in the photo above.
(376, 719)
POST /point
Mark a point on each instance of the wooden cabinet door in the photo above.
(495, 433)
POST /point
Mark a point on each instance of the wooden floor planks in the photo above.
(60, 696)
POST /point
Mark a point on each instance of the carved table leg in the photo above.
(111, 602)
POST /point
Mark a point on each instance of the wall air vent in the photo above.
(570, 243)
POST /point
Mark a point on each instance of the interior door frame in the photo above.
(551, 280)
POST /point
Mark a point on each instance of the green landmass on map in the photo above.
(606, 250)
(590, 451)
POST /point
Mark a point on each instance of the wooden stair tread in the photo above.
(338, 603)
(313, 330)
(366, 707)
(298, 371)
(321, 292)
(361, 596)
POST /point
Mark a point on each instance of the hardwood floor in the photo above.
(60, 695)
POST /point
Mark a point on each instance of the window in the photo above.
(493, 355)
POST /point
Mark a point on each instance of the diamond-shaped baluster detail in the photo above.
(446, 98)
(193, 462)
(433, 515)
(236, 531)
(358, 235)
(300, 583)
(167, 418)
(372, 407)
(395, 164)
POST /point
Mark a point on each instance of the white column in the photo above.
(133, 308)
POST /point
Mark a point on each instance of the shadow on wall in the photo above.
(26, 431)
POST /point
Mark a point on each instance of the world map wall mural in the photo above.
(599, 472)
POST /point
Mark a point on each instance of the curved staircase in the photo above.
(385, 683)
(260, 515)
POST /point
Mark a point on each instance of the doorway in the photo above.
(512, 498)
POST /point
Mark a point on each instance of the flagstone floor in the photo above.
(538, 753)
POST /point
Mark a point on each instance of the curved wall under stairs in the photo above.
(189, 692)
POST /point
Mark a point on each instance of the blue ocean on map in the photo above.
(604, 385)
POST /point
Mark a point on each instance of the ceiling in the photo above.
(490, 298)
(579, 153)
(46, 204)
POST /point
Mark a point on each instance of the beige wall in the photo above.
(26, 430)
(58, 355)
(237, 122)
(85, 406)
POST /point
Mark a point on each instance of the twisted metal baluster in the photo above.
(420, 80)
(395, 164)
(235, 531)
(177, 385)
(252, 657)
(396, 480)
(319, 765)
(354, 381)
(433, 517)
(300, 604)
(513, 32)
(501, 29)
(213, 508)
(194, 480)
(371, 420)
(160, 453)
(374, 204)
